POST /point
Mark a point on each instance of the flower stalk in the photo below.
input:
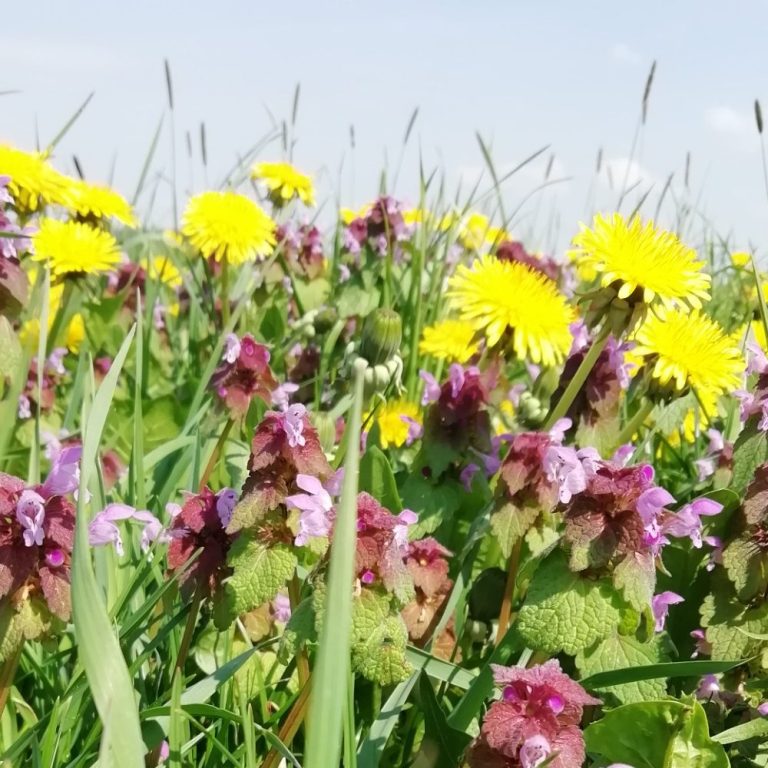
(577, 382)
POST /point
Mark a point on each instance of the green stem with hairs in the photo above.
(642, 413)
(577, 382)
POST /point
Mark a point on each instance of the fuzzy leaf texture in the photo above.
(379, 640)
(258, 573)
(564, 612)
(510, 523)
(656, 734)
(621, 651)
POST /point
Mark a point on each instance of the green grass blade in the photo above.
(98, 649)
(656, 671)
(326, 706)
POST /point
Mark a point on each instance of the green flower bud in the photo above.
(382, 333)
(326, 430)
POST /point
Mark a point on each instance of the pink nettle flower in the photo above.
(36, 537)
(686, 522)
(615, 516)
(427, 564)
(458, 416)
(382, 544)
(537, 718)
(243, 374)
(285, 445)
(302, 248)
(564, 469)
(198, 526)
(316, 507)
(660, 606)
(103, 529)
(513, 251)
(281, 608)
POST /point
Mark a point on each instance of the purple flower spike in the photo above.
(660, 607)
(293, 425)
(534, 751)
(64, 476)
(315, 506)
(225, 504)
(30, 513)
(431, 388)
(686, 522)
(231, 348)
(563, 468)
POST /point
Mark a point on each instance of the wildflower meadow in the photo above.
(378, 487)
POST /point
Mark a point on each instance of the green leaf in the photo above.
(722, 618)
(565, 612)
(440, 669)
(379, 639)
(747, 568)
(331, 672)
(749, 452)
(371, 750)
(298, 631)
(98, 648)
(10, 349)
(432, 503)
(443, 743)
(656, 734)
(635, 576)
(510, 523)
(377, 478)
(754, 729)
(258, 573)
(621, 651)
(662, 670)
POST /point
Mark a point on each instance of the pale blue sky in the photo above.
(523, 74)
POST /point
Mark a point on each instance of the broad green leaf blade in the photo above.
(98, 649)
(326, 704)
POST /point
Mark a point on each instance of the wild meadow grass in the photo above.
(378, 488)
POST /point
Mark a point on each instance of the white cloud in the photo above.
(727, 120)
(621, 172)
(622, 52)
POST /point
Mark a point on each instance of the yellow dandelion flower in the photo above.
(162, 269)
(689, 349)
(495, 296)
(34, 181)
(740, 258)
(636, 256)
(29, 333)
(758, 331)
(474, 231)
(451, 340)
(348, 215)
(393, 428)
(70, 247)
(413, 216)
(172, 237)
(228, 227)
(284, 182)
(92, 201)
(75, 333)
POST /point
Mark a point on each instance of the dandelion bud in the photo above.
(382, 333)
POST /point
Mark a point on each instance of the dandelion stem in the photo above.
(509, 591)
(215, 455)
(7, 673)
(642, 413)
(577, 382)
(225, 292)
